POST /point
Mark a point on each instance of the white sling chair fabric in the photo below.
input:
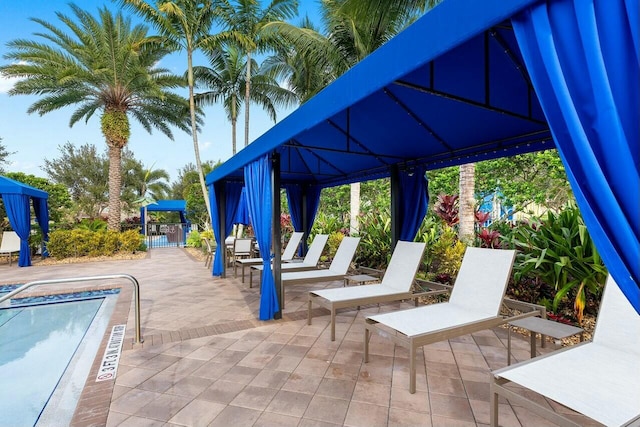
(600, 379)
(309, 262)
(395, 285)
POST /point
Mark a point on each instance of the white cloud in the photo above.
(6, 83)
(26, 167)
(205, 145)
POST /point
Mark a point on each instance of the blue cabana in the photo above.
(15, 196)
(471, 81)
(179, 206)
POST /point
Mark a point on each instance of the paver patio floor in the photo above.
(207, 360)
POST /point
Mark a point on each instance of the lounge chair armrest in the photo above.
(525, 307)
(434, 286)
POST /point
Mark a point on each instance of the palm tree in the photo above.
(303, 64)
(183, 25)
(104, 64)
(467, 201)
(257, 30)
(150, 182)
(226, 81)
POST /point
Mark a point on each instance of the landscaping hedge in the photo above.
(79, 243)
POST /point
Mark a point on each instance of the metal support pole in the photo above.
(305, 219)
(221, 200)
(395, 206)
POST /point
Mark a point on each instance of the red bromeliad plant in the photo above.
(489, 238)
(482, 217)
(447, 209)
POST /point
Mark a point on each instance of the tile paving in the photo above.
(207, 361)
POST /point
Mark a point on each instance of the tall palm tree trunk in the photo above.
(354, 223)
(194, 132)
(466, 213)
(247, 97)
(115, 185)
(234, 122)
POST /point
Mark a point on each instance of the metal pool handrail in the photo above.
(136, 291)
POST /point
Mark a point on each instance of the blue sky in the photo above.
(32, 138)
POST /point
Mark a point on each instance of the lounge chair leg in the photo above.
(243, 273)
(333, 324)
(309, 311)
(251, 278)
(366, 345)
(493, 405)
(412, 368)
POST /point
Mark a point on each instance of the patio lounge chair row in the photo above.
(598, 379)
(310, 261)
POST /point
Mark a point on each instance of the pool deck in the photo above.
(207, 360)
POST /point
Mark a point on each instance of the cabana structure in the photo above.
(468, 81)
(16, 197)
(179, 206)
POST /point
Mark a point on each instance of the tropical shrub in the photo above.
(447, 252)
(194, 239)
(327, 224)
(374, 249)
(92, 224)
(81, 242)
(560, 251)
(446, 207)
(332, 243)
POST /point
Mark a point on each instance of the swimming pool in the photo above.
(47, 351)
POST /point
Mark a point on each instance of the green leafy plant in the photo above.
(333, 242)
(374, 249)
(447, 252)
(327, 224)
(194, 239)
(80, 242)
(560, 251)
(92, 225)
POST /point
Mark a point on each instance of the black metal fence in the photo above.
(167, 235)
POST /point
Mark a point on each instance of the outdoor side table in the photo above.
(537, 325)
(359, 279)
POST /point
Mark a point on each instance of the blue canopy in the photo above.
(16, 196)
(460, 85)
(179, 206)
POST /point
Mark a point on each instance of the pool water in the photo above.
(37, 345)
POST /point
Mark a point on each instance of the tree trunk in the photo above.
(354, 223)
(194, 132)
(115, 185)
(233, 135)
(247, 96)
(467, 202)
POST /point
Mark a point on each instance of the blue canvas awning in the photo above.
(471, 81)
(15, 196)
(179, 206)
(445, 91)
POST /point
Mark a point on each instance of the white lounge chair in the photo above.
(310, 261)
(474, 305)
(10, 245)
(287, 255)
(336, 271)
(600, 379)
(395, 285)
